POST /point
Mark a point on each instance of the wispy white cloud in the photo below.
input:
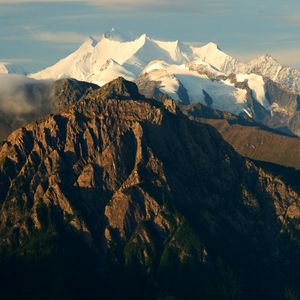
(65, 37)
(125, 3)
(161, 7)
(130, 3)
(23, 61)
(295, 18)
(94, 2)
(36, 1)
(35, 34)
(58, 37)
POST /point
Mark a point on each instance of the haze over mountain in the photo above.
(24, 100)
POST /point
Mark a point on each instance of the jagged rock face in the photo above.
(139, 183)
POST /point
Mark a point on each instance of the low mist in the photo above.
(22, 100)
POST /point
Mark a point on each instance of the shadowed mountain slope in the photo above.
(249, 138)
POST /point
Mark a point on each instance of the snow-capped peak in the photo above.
(263, 59)
(131, 54)
(220, 60)
(211, 46)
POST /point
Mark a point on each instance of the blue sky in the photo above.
(37, 33)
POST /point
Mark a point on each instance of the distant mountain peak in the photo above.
(266, 57)
(212, 46)
(121, 89)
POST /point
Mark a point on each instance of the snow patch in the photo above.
(257, 85)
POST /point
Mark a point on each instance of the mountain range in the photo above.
(142, 169)
(263, 88)
(127, 56)
(190, 74)
(123, 197)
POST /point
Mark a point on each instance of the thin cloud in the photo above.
(294, 19)
(59, 37)
(36, 34)
(163, 7)
(129, 3)
(36, 1)
(25, 61)
(94, 2)
(125, 3)
(23, 99)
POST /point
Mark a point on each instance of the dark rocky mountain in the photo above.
(248, 137)
(119, 198)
